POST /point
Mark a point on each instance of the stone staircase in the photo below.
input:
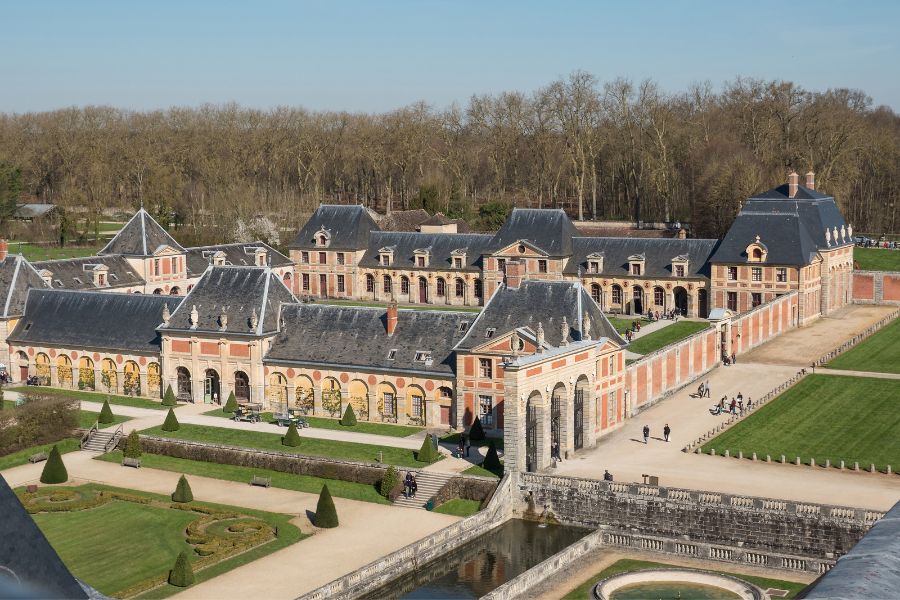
(100, 440)
(429, 483)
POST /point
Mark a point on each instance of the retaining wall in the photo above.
(876, 287)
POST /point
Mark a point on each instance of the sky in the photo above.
(380, 55)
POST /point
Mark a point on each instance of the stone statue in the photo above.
(834, 234)
(223, 321)
(850, 231)
(828, 237)
(166, 314)
(254, 319)
(586, 326)
(195, 316)
(514, 342)
(843, 234)
(564, 330)
(540, 337)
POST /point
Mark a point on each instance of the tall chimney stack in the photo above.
(793, 184)
(391, 318)
(811, 180)
(4, 250)
(515, 273)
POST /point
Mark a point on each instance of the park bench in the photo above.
(261, 481)
(39, 457)
(131, 462)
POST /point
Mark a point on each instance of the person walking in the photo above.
(407, 484)
(666, 431)
(706, 388)
(646, 433)
(733, 406)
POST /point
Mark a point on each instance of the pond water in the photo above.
(484, 563)
(664, 590)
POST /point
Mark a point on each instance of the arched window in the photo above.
(108, 376)
(42, 368)
(175, 291)
(387, 284)
(617, 294)
(158, 291)
(478, 288)
(441, 287)
(370, 283)
(241, 386)
(757, 254)
(131, 382)
(64, 371)
(286, 279)
(404, 285)
(658, 296)
(154, 381)
(277, 390)
(85, 373)
(595, 293)
(183, 381)
(331, 396)
(460, 288)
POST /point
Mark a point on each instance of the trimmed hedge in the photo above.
(492, 460)
(230, 404)
(427, 453)
(326, 514)
(171, 422)
(133, 445)
(291, 438)
(476, 432)
(106, 414)
(169, 398)
(54, 469)
(182, 575)
(389, 482)
(349, 418)
(183, 491)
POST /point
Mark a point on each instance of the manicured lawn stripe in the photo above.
(583, 591)
(824, 417)
(36, 253)
(453, 438)
(87, 418)
(272, 441)
(880, 353)
(98, 397)
(287, 481)
(458, 507)
(481, 472)
(877, 259)
(387, 429)
(21, 457)
(623, 324)
(665, 336)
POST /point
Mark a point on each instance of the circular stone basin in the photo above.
(675, 584)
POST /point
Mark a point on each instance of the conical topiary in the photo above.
(326, 515)
(54, 469)
(476, 432)
(492, 460)
(183, 574)
(169, 397)
(171, 422)
(349, 418)
(133, 445)
(230, 404)
(182, 491)
(389, 481)
(291, 438)
(427, 453)
(106, 414)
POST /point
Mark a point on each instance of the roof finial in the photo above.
(254, 319)
(586, 326)
(223, 321)
(540, 337)
(514, 342)
(564, 330)
(166, 314)
(195, 316)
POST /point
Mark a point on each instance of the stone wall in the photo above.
(876, 287)
(761, 525)
(765, 322)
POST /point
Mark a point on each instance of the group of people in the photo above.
(666, 432)
(729, 360)
(462, 446)
(410, 486)
(735, 407)
(671, 314)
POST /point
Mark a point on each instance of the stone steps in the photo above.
(428, 485)
(98, 441)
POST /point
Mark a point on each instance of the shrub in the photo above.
(427, 452)
(169, 397)
(476, 432)
(106, 413)
(54, 469)
(326, 514)
(230, 404)
(291, 438)
(349, 418)
(133, 445)
(171, 422)
(42, 419)
(491, 460)
(182, 575)
(390, 480)
(182, 491)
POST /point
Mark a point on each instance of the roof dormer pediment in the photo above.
(522, 248)
(637, 257)
(165, 250)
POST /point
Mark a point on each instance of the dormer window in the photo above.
(322, 238)
(463, 326)
(47, 276)
(385, 259)
(490, 332)
(392, 354)
(458, 257)
(680, 266)
(595, 262)
(423, 256)
(636, 264)
(423, 356)
(757, 252)
(457, 262)
(260, 255)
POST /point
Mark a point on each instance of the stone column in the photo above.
(76, 374)
(120, 381)
(142, 376)
(345, 399)
(291, 394)
(54, 379)
(401, 407)
(372, 398)
(513, 421)
(98, 378)
(317, 400)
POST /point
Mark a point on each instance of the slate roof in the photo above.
(792, 229)
(141, 236)
(111, 321)
(440, 245)
(236, 292)
(551, 230)
(26, 553)
(357, 336)
(199, 258)
(871, 569)
(17, 276)
(536, 301)
(658, 255)
(75, 273)
(348, 225)
(401, 220)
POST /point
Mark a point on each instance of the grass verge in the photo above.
(876, 259)
(458, 507)
(98, 397)
(387, 429)
(880, 353)
(667, 335)
(482, 472)
(21, 457)
(87, 418)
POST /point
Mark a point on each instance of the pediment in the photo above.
(515, 250)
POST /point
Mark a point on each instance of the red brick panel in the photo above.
(670, 369)
(641, 385)
(863, 287)
(686, 361)
(209, 348)
(891, 287)
(181, 346)
(239, 350)
(657, 377)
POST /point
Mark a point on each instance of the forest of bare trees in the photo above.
(601, 150)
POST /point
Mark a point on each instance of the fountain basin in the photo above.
(685, 584)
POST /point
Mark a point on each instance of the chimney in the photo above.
(515, 273)
(793, 184)
(811, 180)
(4, 250)
(391, 318)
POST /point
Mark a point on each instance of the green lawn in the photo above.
(21, 457)
(34, 252)
(325, 423)
(474, 309)
(876, 259)
(665, 336)
(287, 481)
(98, 397)
(459, 507)
(880, 353)
(482, 472)
(118, 544)
(622, 324)
(453, 438)
(583, 591)
(823, 417)
(87, 418)
(309, 446)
